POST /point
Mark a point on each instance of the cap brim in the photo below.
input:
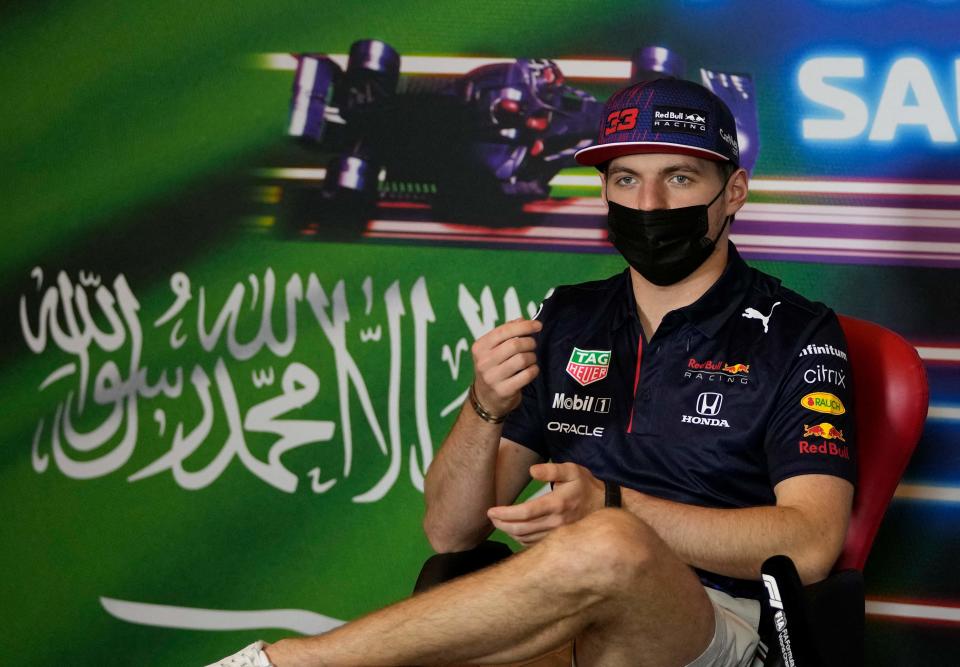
(594, 155)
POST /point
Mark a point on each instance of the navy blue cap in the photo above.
(664, 116)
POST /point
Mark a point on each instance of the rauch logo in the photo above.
(821, 401)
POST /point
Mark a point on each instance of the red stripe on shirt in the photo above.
(636, 383)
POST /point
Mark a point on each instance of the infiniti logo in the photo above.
(708, 403)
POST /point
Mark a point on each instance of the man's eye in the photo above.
(625, 180)
(680, 179)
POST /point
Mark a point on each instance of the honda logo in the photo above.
(708, 403)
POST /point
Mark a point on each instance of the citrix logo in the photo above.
(821, 373)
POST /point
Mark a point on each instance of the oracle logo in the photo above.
(577, 429)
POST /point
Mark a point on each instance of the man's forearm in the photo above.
(735, 542)
(461, 484)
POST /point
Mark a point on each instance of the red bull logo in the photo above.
(830, 448)
(823, 430)
(717, 371)
(705, 365)
(718, 366)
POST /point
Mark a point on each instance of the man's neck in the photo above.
(654, 302)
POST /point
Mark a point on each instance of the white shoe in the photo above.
(251, 656)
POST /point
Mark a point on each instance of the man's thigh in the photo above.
(662, 616)
(644, 600)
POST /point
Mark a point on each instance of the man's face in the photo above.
(651, 181)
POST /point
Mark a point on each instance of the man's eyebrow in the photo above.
(682, 166)
(690, 167)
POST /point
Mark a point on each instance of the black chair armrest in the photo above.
(836, 611)
(820, 625)
(440, 568)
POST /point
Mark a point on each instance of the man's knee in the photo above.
(607, 551)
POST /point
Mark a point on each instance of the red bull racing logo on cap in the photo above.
(679, 119)
(588, 366)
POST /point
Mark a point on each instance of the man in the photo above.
(696, 392)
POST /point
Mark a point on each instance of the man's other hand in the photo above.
(576, 493)
(504, 363)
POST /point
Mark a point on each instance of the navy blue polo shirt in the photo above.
(745, 387)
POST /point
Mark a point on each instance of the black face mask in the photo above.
(664, 245)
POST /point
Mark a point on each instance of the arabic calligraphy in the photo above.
(243, 393)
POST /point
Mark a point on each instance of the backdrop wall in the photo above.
(241, 274)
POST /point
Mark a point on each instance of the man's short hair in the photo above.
(726, 170)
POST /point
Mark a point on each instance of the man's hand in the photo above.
(576, 493)
(504, 362)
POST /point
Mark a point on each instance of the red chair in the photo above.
(891, 403)
(823, 623)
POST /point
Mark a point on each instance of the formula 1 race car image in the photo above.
(476, 149)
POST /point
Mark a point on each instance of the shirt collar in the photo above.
(628, 304)
(712, 310)
(719, 303)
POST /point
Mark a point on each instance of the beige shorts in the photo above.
(735, 637)
(734, 642)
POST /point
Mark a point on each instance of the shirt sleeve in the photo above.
(523, 425)
(812, 428)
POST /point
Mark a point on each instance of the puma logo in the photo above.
(754, 314)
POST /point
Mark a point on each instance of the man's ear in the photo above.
(737, 190)
(603, 187)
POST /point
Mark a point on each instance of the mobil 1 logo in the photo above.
(576, 403)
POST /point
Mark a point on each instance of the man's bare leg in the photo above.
(607, 579)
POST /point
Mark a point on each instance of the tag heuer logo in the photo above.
(588, 366)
